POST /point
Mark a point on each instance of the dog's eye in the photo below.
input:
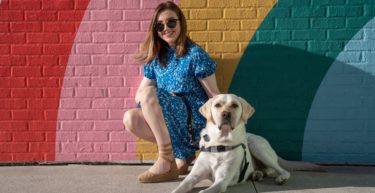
(217, 105)
(234, 105)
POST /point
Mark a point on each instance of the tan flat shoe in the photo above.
(184, 168)
(149, 177)
(165, 152)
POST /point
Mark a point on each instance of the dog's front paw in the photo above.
(280, 180)
(257, 175)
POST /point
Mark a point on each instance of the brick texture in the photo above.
(100, 81)
(72, 83)
(223, 28)
(312, 57)
(33, 60)
(67, 75)
(220, 28)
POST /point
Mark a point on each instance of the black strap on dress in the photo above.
(193, 142)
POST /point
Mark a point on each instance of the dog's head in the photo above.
(226, 111)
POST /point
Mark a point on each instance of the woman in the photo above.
(178, 79)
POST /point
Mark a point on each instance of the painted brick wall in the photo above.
(67, 77)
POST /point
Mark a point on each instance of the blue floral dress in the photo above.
(181, 77)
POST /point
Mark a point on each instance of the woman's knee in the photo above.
(130, 119)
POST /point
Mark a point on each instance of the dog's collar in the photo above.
(220, 148)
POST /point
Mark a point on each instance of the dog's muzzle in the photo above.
(226, 119)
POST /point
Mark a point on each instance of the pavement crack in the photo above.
(255, 187)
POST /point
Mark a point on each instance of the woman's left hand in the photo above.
(210, 85)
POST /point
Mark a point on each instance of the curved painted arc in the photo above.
(229, 65)
(100, 81)
(280, 88)
(340, 124)
(280, 74)
(41, 60)
(93, 96)
(234, 31)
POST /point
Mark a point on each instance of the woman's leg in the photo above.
(153, 117)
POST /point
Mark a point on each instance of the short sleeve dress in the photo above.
(181, 77)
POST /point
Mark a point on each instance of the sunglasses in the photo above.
(171, 23)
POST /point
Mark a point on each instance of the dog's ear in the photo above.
(205, 110)
(247, 109)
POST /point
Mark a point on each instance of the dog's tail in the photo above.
(300, 165)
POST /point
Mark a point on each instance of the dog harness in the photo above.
(223, 148)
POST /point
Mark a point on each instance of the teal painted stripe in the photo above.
(285, 62)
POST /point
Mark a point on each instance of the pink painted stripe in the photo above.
(100, 82)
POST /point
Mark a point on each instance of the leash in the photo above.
(223, 148)
(193, 141)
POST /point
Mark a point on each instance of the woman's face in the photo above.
(169, 34)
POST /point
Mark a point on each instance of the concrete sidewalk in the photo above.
(123, 179)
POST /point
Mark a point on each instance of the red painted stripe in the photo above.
(36, 37)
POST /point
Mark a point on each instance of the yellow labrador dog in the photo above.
(228, 154)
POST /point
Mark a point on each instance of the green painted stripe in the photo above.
(286, 60)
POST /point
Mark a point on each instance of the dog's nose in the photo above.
(226, 115)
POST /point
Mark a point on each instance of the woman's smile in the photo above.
(168, 33)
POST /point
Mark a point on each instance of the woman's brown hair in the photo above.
(154, 46)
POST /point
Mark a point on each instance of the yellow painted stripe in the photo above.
(224, 28)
